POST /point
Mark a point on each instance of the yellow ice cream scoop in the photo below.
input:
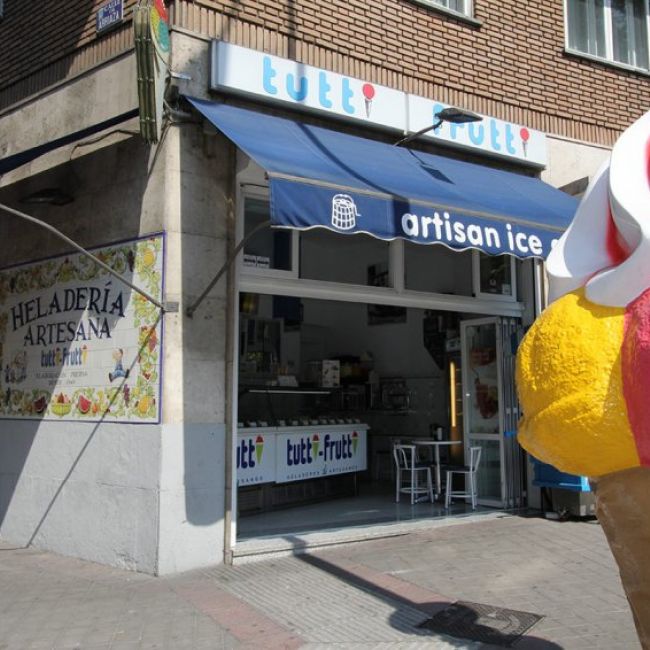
(584, 367)
(570, 383)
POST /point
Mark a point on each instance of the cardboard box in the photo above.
(330, 373)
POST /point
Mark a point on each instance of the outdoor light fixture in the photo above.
(450, 114)
(48, 196)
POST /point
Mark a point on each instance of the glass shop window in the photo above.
(350, 259)
(434, 268)
(268, 249)
(495, 276)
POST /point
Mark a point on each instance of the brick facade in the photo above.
(47, 42)
(509, 62)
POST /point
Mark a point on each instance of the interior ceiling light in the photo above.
(48, 196)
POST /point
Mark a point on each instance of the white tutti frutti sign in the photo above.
(272, 79)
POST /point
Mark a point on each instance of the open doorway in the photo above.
(349, 345)
(326, 389)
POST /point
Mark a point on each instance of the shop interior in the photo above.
(394, 373)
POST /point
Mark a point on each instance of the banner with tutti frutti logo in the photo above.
(78, 344)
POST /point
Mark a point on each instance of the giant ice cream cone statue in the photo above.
(583, 369)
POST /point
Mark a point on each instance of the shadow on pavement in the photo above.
(429, 609)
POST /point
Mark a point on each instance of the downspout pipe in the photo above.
(230, 258)
(231, 295)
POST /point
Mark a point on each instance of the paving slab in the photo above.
(371, 594)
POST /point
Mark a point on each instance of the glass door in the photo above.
(482, 378)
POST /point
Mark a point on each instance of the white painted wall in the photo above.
(569, 161)
(90, 99)
(191, 496)
(148, 498)
(192, 474)
(89, 490)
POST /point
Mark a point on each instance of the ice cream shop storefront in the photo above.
(380, 296)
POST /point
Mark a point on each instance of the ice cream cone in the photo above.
(622, 506)
(259, 448)
(583, 369)
(368, 107)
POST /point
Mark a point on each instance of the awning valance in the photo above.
(323, 178)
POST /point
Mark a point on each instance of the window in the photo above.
(437, 269)
(269, 251)
(495, 276)
(614, 30)
(459, 6)
(351, 259)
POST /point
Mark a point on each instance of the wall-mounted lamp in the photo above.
(48, 196)
(451, 114)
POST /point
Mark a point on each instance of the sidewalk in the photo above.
(371, 594)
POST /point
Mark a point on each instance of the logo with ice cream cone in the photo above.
(355, 442)
(259, 449)
(368, 91)
(524, 133)
(315, 444)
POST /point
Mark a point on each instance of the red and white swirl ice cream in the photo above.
(583, 369)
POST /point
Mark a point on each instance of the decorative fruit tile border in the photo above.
(78, 344)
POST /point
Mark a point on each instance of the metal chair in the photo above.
(408, 471)
(469, 471)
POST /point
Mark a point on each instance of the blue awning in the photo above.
(322, 178)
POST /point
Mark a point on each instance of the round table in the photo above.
(436, 444)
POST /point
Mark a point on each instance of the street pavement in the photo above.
(372, 594)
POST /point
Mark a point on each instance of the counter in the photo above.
(296, 453)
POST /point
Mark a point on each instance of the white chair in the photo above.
(408, 471)
(469, 472)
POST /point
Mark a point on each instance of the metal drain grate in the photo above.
(484, 623)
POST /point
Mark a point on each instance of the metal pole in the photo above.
(231, 258)
(83, 251)
(412, 136)
(230, 395)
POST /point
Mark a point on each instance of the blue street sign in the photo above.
(110, 15)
